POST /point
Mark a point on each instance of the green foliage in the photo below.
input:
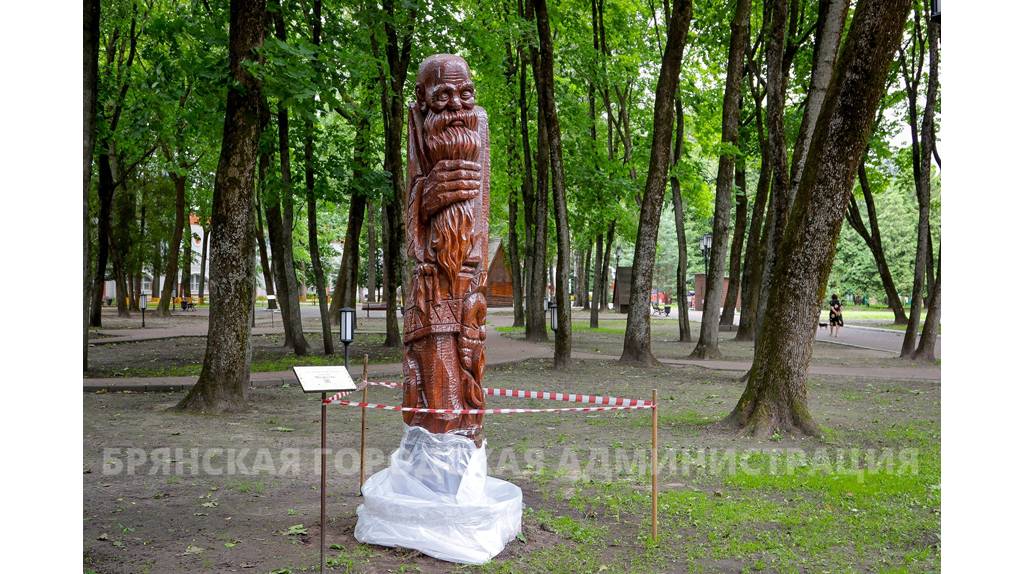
(169, 107)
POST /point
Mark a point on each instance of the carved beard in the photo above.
(445, 141)
(452, 227)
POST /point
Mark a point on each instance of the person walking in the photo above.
(835, 316)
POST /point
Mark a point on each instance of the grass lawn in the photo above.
(183, 356)
(864, 498)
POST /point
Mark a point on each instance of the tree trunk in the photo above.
(224, 381)
(515, 264)
(277, 249)
(753, 262)
(873, 239)
(120, 237)
(922, 180)
(585, 282)
(595, 307)
(397, 51)
(186, 260)
(261, 236)
(707, 344)
(736, 249)
(90, 83)
(636, 346)
(314, 244)
(103, 236)
(546, 91)
(371, 252)
(166, 296)
(831, 19)
(679, 209)
(536, 281)
(284, 256)
(930, 334)
(775, 398)
(609, 240)
(776, 81)
(343, 296)
(202, 264)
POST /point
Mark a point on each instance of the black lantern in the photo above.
(143, 303)
(705, 250)
(553, 312)
(347, 323)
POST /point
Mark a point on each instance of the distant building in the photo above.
(499, 276)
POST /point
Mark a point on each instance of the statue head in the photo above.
(445, 96)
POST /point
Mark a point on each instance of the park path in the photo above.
(852, 335)
(500, 350)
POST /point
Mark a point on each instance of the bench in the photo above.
(374, 307)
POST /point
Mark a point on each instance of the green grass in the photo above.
(611, 327)
(834, 508)
(263, 366)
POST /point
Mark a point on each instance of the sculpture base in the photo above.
(436, 498)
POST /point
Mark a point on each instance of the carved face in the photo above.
(446, 96)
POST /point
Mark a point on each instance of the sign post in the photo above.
(323, 380)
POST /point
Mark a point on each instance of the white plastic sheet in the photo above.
(436, 498)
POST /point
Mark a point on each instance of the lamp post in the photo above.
(705, 250)
(347, 324)
(143, 303)
(553, 314)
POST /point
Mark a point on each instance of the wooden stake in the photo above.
(323, 478)
(654, 465)
(362, 427)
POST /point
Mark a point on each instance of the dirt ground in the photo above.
(223, 510)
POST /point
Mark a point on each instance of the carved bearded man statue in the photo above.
(435, 496)
(446, 224)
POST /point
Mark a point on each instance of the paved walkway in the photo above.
(507, 350)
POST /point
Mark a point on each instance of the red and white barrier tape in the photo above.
(346, 403)
(610, 403)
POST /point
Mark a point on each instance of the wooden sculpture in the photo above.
(447, 207)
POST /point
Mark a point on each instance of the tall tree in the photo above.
(119, 70)
(398, 30)
(873, 238)
(224, 380)
(775, 398)
(512, 65)
(922, 140)
(930, 333)
(205, 250)
(535, 199)
(777, 78)
(637, 343)
(371, 252)
(707, 344)
(90, 87)
(316, 25)
(546, 91)
(829, 31)
(283, 251)
(753, 260)
(679, 211)
(736, 247)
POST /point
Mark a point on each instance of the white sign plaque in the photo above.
(324, 379)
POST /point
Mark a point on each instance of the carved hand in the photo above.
(450, 181)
